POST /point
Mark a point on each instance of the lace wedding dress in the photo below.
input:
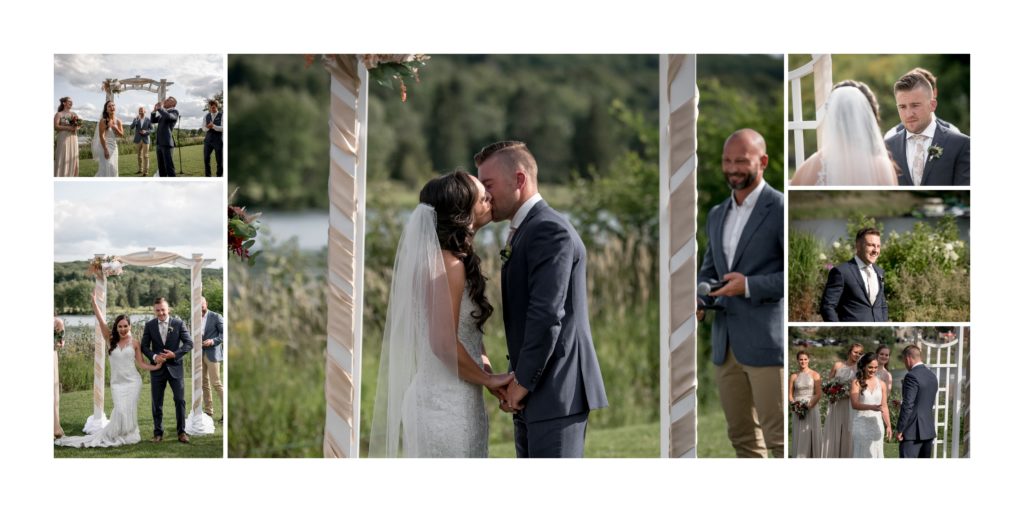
(108, 167)
(125, 384)
(868, 428)
(443, 415)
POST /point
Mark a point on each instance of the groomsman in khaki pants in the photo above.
(213, 354)
(142, 126)
(745, 254)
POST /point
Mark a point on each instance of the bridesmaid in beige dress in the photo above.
(58, 343)
(838, 429)
(65, 154)
(805, 386)
(883, 366)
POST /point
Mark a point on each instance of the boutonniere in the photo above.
(170, 329)
(934, 153)
(506, 253)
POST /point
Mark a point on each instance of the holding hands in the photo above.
(498, 386)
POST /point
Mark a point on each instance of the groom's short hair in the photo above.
(512, 154)
(868, 231)
(912, 352)
(911, 81)
(158, 300)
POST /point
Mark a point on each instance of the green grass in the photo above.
(76, 407)
(190, 163)
(632, 441)
(712, 434)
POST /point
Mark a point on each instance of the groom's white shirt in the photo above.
(928, 132)
(524, 210)
(917, 364)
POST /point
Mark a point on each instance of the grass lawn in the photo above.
(128, 164)
(76, 406)
(632, 441)
(712, 438)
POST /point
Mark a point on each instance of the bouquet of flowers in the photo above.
(58, 338)
(799, 408)
(72, 120)
(106, 266)
(835, 389)
(242, 230)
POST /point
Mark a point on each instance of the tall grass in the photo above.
(278, 319)
(76, 358)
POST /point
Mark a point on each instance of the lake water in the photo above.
(831, 230)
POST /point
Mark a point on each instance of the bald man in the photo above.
(745, 252)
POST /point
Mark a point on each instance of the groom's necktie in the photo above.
(511, 233)
(872, 284)
(163, 332)
(917, 167)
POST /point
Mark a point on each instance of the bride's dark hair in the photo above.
(106, 113)
(453, 196)
(115, 338)
(862, 374)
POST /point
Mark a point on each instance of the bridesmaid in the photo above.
(65, 157)
(838, 433)
(58, 343)
(883, 365)
(805, 386)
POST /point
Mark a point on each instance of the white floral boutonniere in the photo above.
(170, 329)
(934, 153)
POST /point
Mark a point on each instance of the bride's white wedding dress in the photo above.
(868, 428)
(108, 167)
(443, 415)
(125, 384)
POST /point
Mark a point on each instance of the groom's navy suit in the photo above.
(917, 422)
(953, 167)
(845, 298)
(547, 328)
(165, 119)
(180, 342)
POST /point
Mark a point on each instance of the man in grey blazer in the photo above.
(915, 429)
(213, 354)
(544, 297)
(927, 152)
(745, 251)
(855, 290)
(142, 127)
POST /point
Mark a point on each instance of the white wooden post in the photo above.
(821, 67)
(198, 422)
(677, 203)
(98, 420)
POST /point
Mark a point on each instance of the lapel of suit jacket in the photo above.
(717, 235)
(899, 153)
(154, 334)
(880, 277)
(939, 139)
(529, 216)
(757, 216)
(860, 280)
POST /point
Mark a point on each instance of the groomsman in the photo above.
(142, 126)
(214, 142)
(213, 354)
(166, 116)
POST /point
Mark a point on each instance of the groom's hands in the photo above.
(167, 354)
(515, 395)
(736, 284)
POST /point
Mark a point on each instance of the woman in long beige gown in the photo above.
(805, 386)
(838, 433)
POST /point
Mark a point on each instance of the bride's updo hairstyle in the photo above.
(453, 196)
(866, 91)
(115, 338)
(862, 373)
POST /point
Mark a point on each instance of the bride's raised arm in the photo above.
(99, 318)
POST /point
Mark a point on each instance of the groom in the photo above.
(915, 429)
(166, 339)
(544, 293)
(928, 152)
(166, 116)
(855, 291)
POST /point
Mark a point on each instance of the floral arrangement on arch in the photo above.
(388, 68)
(242, 230)
(105, 266)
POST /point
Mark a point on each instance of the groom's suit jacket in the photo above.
(751, 327)
(845, 298)
(165, 119)
(917, 422)
(178, 341)
(952, 168)
(547, 325)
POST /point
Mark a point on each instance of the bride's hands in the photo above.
(888, 432)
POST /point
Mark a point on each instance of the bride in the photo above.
(852, 149)
(125, 384)
(104, 142)
(433, 364)
(869, 400)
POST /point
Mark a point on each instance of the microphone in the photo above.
(705, 288)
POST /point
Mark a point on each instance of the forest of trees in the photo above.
(136, 288)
